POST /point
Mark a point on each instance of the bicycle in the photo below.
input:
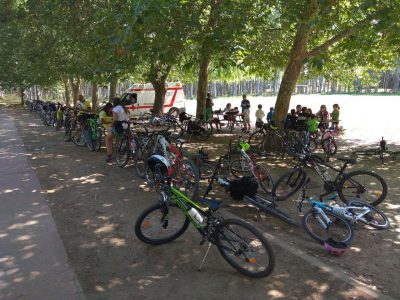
(360, 183)
(246, 164)
(183, 172)
(240, 244)
(322, 221)
(379, 151)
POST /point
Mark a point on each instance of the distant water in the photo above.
(365, 118)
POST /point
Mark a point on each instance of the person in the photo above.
(270, 115)
(83, 106)
(312, 124)
(119, 114)
(323, 117)
(105, 116)
(259, 116)
(298, 109)
(209, 102)
(246, 120)
(291, 120)
(229, 114)
(301, 123)
(59, 116)
(335, 116)
(245, 104)
(209, 105)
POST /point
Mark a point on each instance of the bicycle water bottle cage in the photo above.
(244, 146)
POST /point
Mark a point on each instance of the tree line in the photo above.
(309, 43)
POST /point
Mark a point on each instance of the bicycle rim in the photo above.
(375, 218)
(240, 167)
(288, 184)
(245, 248)
(187, 178)
(364, 185)
(256, 139)
(339, 229)
(160, 224)
(121, 152)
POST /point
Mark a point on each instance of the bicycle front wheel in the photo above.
(288, 184)
(161, 224)
(368, 186)
(329, 146)
(245, 248)
(273, 144)
(316, 226)
(374, 218)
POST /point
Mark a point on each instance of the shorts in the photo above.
(246, 117)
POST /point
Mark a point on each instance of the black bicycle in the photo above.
(366, 185)
(378, 151)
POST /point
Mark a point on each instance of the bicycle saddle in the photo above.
(213, 204)
(351, 161)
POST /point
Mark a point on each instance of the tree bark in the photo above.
(113, 89)
(396, 80)
(22, 96)
(291, 75)
(202, 87)
(95, 98)
(160, 88)
(67, 93)
(75, 89)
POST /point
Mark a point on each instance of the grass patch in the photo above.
(10, 100)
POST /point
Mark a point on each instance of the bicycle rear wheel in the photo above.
(288, 184)
(161, 224)
(139, 159)
(339, 229)
(264, 178)
(240, 167)
(329, 146)
(77, 136)
(245, 248)
(375, 218)
(368, 186)
(273, 144)
(121, 151)
(187, 178)
(96, 141)
(256, 139)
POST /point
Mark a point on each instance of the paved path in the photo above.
(33, 261)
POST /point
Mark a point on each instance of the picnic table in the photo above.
(229, 119)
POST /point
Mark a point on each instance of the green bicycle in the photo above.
(239, 243)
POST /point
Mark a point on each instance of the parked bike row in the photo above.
(156, 150)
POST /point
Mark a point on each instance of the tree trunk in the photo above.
(396, 80)
(291, 75)
(22, 96)
(202, 86)
(67, 93)
(95, 88)
(75, 89)
(159, 91)
(113, 89)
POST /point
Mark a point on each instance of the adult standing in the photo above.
(119, 114)
(245, 104)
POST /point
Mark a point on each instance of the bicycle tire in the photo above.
(139, 159)
(312, 144)
(97, 141)
(236, 248)
(77, 137)
(369, 219)
(320, 234)
(121, 151)
(264, 178)
(239, 168)
(162, 221)
(189, 177)
(206, 169)
(350, 187)
(256, 139)
(274, 145)
(88, 138)
(176, 131)
(288, 184)
(329, 146)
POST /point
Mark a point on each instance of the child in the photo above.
(59, 116)
(312, 124)
(259, 116)
(270, 115)
(335, 116)
(323, 116)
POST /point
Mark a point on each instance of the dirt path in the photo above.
(95, 205)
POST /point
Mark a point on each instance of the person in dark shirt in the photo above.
(245, 104)
(291, 120)
(301, 123)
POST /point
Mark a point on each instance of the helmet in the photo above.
(158, 164)
(335, 248)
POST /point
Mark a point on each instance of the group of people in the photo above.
(302, 118)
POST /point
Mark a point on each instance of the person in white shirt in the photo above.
(120, 113)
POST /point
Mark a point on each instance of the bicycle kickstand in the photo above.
(204, 258)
